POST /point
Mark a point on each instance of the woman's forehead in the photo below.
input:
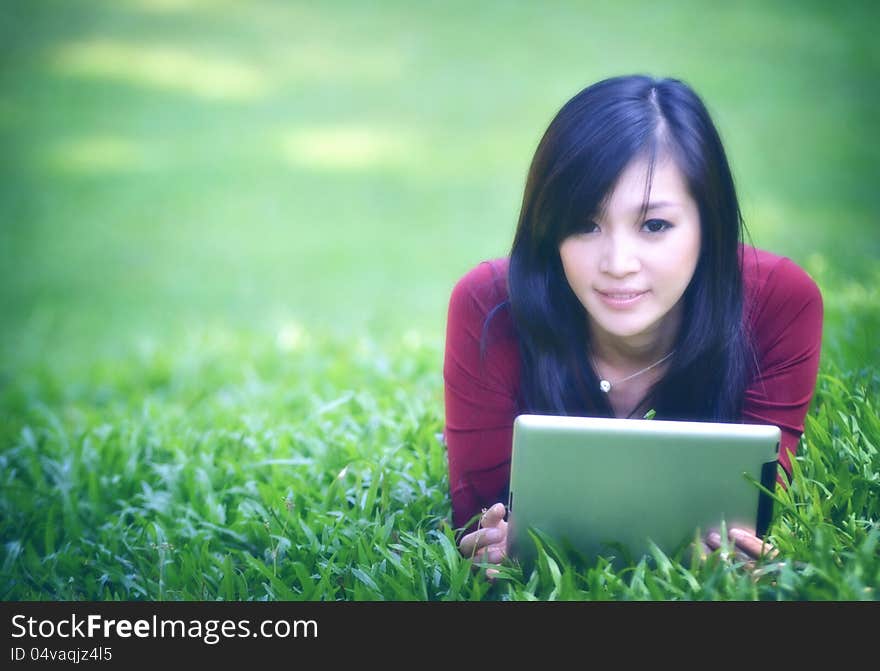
(668, 187)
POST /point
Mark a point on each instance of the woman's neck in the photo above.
(642, 349)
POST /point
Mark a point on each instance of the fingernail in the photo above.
(736, 533)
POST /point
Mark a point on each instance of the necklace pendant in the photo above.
(605, 385)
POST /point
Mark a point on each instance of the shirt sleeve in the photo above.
(480, 395)
(787, 335)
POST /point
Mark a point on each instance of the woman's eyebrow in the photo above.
(653, 205)
(637, 209)
(656, 205)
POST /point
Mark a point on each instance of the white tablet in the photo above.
(607, 486)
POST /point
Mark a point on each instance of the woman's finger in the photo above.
(493, 516)
(749, 543)
(713, 540)
(478, 539)
(492, 554)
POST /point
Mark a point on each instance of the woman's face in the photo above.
(628, 271)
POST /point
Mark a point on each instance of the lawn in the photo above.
(228, 233)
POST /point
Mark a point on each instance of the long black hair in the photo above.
(588, 144)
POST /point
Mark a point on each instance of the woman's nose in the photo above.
(619, 257)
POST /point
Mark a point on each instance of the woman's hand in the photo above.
(744, 542)
(488, 544)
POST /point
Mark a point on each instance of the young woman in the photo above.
(628, 288)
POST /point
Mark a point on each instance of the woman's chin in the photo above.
(625, 330)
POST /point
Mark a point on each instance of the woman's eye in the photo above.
(656, 225)
(587, 227)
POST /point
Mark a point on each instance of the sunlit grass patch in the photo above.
(348, 147)
(96, 154)
(163, 67)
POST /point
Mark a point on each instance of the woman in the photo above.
(627, 289)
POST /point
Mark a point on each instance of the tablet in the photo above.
(607, 487)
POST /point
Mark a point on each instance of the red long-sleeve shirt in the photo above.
(783, 307)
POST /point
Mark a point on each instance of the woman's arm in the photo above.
(786, 326)
(480, 370)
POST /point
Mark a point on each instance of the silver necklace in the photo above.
(605, 385)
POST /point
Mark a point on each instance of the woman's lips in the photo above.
(620, 299)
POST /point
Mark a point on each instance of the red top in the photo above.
(784, 309)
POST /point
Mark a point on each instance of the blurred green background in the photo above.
(172, 166)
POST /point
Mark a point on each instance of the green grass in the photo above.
(235, 468)
(228, 233)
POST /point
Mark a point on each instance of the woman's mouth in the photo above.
(620, 299)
